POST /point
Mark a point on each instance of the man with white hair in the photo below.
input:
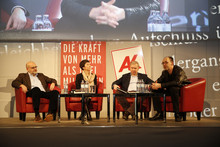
(128, 83)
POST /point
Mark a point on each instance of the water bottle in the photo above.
(142, 86)
(86, 87)
(150, 26)
(167, 24)
(47, 23)
(38, 24)
(82, 86)
(158, 22)
(65, 87)
(138, 86)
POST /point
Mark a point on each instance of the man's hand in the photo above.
(107, 14)
(111, 15)
(17, 20)
(156, 86)
(24, 88)
(115, 87)
(52, 86)
(98, 11)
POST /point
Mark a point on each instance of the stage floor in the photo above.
(99, 133)
(102, 122)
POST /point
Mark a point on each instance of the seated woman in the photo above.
(86, 76)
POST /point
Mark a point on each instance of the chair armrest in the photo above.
(193, 95)
(21, 99)
(57, 88)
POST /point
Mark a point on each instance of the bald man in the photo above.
(170, 82)
(34, 84)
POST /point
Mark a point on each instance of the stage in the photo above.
(191, 132)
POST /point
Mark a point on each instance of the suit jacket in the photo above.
(24, 78)
(125, 80)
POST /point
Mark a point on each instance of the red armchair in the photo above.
(25, 104)
(74, 103)
(145, 107)
(191, 98)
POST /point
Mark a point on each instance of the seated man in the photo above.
(170, 82)
(128, 83)
(35, 85)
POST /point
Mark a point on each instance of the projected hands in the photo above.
(107, 14)
(17, 20)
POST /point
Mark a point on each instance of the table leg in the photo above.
(58, 108)
(113, 108)
(108, 106)
(136, 107)
(164, 106)
(141, 105)
(83, 109)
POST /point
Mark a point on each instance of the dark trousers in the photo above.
(126, 105)
(174, 92)
(36, 94)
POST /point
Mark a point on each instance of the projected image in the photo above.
(105, 19)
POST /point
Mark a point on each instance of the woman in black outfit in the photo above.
(86, 76)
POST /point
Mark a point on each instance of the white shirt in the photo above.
(133, 83)
(35, 82)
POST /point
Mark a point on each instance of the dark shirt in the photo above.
(177, 78)
(79, 79)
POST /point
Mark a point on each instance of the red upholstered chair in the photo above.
(191, 98)
(74, 103)
(145, 107)
(25, 104)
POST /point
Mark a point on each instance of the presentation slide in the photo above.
(109, 20)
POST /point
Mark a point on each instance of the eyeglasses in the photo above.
(33, 67)
(164, 63)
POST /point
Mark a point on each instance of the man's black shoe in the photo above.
(125, 116)
(157, 116)
(133, 116)
(178, 118)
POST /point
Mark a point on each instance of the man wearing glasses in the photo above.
(35, 85)
(170, 82)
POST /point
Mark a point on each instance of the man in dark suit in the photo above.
(17, 12)
(35, 85)
(128, 83)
